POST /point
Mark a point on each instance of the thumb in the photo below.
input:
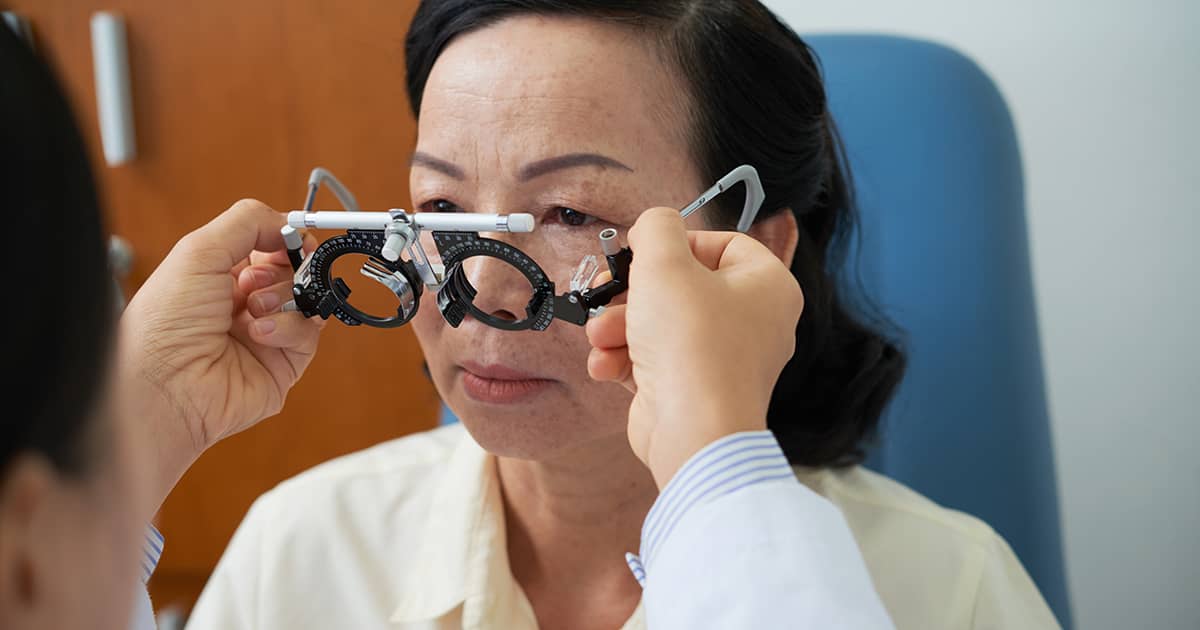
(659, 237)
(246, 226)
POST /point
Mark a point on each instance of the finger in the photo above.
(659, 237)
(280, 256)
(736, 251)
(309, 244)
(288, 331)
(709, 247)
(256, 277)
(611, 366)
(270, 300)
(246, 226)
(608, 330)
(237, 269)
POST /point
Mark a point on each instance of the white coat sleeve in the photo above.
(142, 617)
(736, 541)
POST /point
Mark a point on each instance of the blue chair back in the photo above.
(943, 252)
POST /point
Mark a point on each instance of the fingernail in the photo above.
(262, 278)
(268, 302)
(265, 326)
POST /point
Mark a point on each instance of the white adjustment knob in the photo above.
(291, 237)
(609, 243)
(393, 246)
(521, 222)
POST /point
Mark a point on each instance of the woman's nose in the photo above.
(501, 290)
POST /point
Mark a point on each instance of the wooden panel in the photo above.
(240, 99)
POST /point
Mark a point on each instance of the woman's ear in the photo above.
(24, 495)
(780, 233)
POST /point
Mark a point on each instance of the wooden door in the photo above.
(239, 99)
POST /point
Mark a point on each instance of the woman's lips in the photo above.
(499, 384)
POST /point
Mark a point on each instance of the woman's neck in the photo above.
(569, 523)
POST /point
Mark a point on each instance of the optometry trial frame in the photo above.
(384, 237)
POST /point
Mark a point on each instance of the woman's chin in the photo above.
(518, 433)
(529, 430)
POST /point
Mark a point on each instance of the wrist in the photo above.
(669, 453)
(157, 422)
(727, 465)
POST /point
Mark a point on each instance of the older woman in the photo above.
(584, 113)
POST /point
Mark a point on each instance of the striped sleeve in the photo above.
(730, 464)
(152, 548)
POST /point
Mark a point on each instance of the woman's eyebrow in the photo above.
(531, 170)
(571, 160)
(438, 164)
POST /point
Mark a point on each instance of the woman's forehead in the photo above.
(549, 86)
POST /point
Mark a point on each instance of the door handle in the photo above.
(120, 263)
(19, 25)
(114, 103)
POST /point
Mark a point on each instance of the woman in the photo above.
(85, 459)
(583, 112)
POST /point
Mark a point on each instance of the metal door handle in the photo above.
(120, 262)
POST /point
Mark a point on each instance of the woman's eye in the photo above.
(573, 217)
(441, 205)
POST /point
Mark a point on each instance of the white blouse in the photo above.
(410, 534)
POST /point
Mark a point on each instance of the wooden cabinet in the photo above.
(239, 99)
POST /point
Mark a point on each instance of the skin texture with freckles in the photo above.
(505, 96)
(517, 92)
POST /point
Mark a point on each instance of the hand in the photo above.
(709, 323)
(205, 350)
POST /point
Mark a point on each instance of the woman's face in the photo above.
(578, 123)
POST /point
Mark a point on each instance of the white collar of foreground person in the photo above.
(410, 534)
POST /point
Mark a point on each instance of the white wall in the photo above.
(1106, 97)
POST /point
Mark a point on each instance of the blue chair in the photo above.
(942, 251)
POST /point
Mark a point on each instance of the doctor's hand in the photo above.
(709, 323)
(204, 349)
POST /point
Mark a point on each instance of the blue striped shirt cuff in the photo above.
(729, 464)
(152, 548)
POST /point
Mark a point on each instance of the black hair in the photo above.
(60, 308)
(757, 98)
